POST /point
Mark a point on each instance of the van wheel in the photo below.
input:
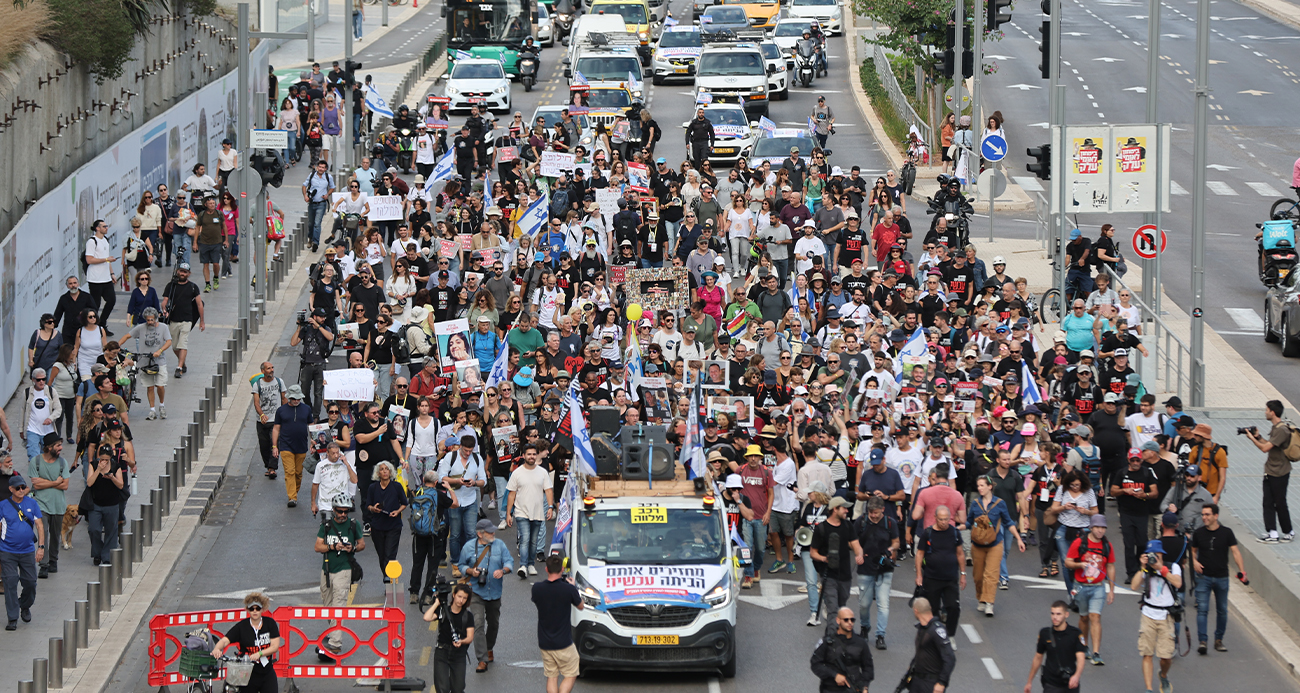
(729, 669)
(656, 80)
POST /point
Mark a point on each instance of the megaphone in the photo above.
(803, 536)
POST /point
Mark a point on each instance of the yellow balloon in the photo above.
(634, 312)
(393, 570)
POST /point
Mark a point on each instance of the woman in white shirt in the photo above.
(691, 190)
(740, 227)
(400, 289)
(99, 270)
(227, 161)
(1128, 311)
(289, 121)
(421, 442)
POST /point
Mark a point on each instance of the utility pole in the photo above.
(1199, 161)
(344, 161)
(976, 112)
(1151, 288)
(1059, 150)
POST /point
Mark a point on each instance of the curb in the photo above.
(1281, 11)
(1266, 621)
(98, 662)
(369, 38)
(882, 138)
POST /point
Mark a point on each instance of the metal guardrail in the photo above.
(898, 99)
(1171, 356)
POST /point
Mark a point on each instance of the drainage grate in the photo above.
(221, 511)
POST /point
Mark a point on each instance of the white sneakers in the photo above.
(153, 414)
(814, 621)
(162, 410)
(532, 569)
(523, 573)
(988, 610)
(501, 524)
(980, 607)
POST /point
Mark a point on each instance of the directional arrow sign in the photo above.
(1255, 92)
(1221, 167)
(1109, 60)
(994, 147)
(1140, 90)
(239, 594)
(773, 597)
(1023, 87)
(1037, 583)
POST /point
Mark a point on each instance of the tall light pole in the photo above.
(1200, 125)
(1151, 268)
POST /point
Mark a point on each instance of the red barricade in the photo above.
(387, 643)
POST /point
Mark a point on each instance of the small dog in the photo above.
(71, 518)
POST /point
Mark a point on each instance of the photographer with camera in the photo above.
(316, 340)
(831, 545)
(1159, 583)
(338, 539)
(455, 634)
(1277, 472)
(842, 661)
(1061, 653)
(484, 562)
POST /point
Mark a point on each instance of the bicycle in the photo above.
(1286, 208)
(1052, 306)
(203, 668)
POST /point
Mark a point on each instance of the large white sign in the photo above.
(1111, 168)
(555, 163)
(269, 139)
(350, 385)
(385, 208)
(667, 583)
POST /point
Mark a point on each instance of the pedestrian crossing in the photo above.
(1222, 189)
(1247, 320)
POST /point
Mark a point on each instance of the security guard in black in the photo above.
(934, 660)
(841, 661)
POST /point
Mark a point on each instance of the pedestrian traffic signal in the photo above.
(350, 72)
(997, 12)
(1042, 166)
(967, 64)
(947, 63)
(1045, 62)
(269, 166)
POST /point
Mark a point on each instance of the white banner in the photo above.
(385, 208)
(668, 583)
(43, 248)
(555, 163)
(350, 385)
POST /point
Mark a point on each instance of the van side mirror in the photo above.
(444, 10)
(771, 69)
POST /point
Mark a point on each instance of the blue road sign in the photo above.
(994, 148)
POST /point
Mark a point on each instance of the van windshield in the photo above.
(732, 63)
(651, 535)
(609, 68)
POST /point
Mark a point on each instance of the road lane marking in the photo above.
(1176, 189)
(424, 655)
(971, 634)
(992, 667)
(1246, 318)
(715, 686)
(1264, 189)
(1218, 187)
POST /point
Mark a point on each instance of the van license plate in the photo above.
(657, 640)
(682, 70)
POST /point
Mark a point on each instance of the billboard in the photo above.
(1112, 168)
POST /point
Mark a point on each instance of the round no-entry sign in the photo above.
(1144, 242)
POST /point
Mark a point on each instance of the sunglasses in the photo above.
(253, 607)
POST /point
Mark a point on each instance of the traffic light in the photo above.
(269, 166)
(350, 68)
(1042, 166)
(946, 63)
(997, 13)
(1045, 63)
(967, 64)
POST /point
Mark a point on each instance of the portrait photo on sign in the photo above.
(467, 372)
(321, 435)
(657, 405)
(453, 343)
(398, 418)
(658, 288)
(740, 409)
(716, 375)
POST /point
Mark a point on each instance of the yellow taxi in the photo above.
(762, 15)
(636, 16)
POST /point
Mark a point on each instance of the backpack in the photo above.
(424, 512)
(559, 203)
(983, 532)
(1092, 465)
(401, 350)
(1292, 449)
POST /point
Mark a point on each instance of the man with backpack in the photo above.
(1092, 558)
(1283, 448)
(1133, 489)
(429, 505)
(1159, 582)
(879, 537)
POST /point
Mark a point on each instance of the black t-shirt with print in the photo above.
(249, 640)
(832, 542)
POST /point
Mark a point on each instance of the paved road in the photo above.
(256, 543)
(1253, 78)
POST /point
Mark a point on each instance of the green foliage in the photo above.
(913, 24)
(895, 127)
(197, 8)
(95, 33)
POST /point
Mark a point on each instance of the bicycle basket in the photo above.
(238, 673)
(197, 664)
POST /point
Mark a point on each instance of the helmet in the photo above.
(528, 40)
(403, 109)
(341, 500)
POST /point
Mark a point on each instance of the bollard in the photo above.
(81, 609)
(208, 406)
(70, 643)
(41, 674)
(26, 687)
(186, 460)
(127, 567)
(93, 605)
(176, 468)
(56, 662)
(254, 325)
(143, 537)
(105, 587)
(243, 331)
(156, 499)
(115, 573)
(199, 417)
(167, 485)
(192, 440)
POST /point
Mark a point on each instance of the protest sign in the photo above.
(350, 385)
(385, 208)
(555, 163)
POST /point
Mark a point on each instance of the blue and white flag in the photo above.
(670, 22)
(1031, 393)
(376, 103)
(564, 514)
(500, 369)
(583, 456)
(633, 82)
(915, 348)
(693, 446)
(443, 170)
(766, 125)
(812, 127)
(633, 368)
(704, 97)
(463, 55)
(534, 218)
(579, 79)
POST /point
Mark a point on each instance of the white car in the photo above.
(787, 33)
(778, 77)
(545, 27)
(733, 136)
(478, 81)
(678, 50)
(827, 12)
(776, 149)
(550, 115)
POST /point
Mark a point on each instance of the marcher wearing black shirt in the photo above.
(835, 550)
(455, 635)
(258, 638)
(1060, 652)
(941, 562)
(1133, 488)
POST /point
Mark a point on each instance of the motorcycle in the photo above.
(406, 149)
(805, 63)
(562, 19)
(527, 70)
(1277, 251)
(956, 211)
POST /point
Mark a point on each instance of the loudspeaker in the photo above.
(603, 420)
(638, 443)
(607, 455)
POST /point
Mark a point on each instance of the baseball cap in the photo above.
(1134, 453)
(486, 526)
(1169, 519)
(17, 480)
(877, 456)
(185, 266)
(1151, 445)
(1111, 398)
(1121, 352)
(837, 502)
(1098, 520)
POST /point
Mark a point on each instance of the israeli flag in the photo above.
(579, 79)
(443, 170)
(534, 218)
(670, 22)
(1031, 395)
(915, 347)
(766, 125)
(633, 82)
(812, 127)
(693, 449)
(564, 515)
(500, 369)
(463, 55)
(582, 453)
(633, 368)
(376, 103)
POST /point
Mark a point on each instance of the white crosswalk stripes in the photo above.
(1264, 189)
(1218, 187)
(1176, 189)
(1247, 319)
(992, 667)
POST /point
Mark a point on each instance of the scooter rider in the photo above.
(531, 47)
(404, 119)
(814, 47)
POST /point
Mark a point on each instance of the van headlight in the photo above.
(643, 35)
(590, 595)
(760, 89)
(720, 594)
